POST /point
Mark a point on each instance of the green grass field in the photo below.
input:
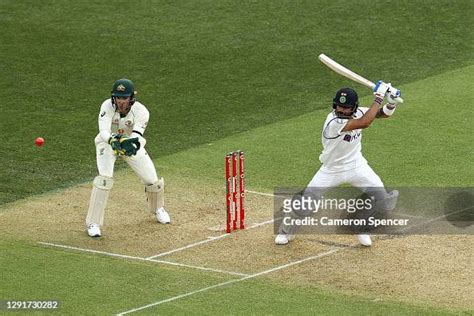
(219, 76)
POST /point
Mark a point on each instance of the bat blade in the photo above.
(343, 71)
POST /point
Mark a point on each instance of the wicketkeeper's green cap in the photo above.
(123, 88)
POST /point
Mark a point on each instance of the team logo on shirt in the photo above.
(102, 114)
(351, 137)
(128, 123)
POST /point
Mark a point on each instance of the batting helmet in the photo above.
(123, 88)
(347, 98)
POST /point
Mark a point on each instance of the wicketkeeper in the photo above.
(122, 123)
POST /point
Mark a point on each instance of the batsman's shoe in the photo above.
(93, 230)
(162, 216)
(364, 240)
(282, 239)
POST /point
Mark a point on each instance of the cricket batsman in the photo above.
(341, 158)
(122, 124)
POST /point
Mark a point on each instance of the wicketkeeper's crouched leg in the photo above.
(98, 201)
(155, 195)
(156, 200)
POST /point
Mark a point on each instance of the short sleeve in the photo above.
(141, 121)
(334, 127)
(361, 111)
(106, 114)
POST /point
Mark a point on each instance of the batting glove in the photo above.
(380, 90)
(393, 96)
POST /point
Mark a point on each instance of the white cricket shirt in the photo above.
(135, 122)
(341, 150)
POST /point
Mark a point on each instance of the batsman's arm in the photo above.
(365, 120)
(379, 92)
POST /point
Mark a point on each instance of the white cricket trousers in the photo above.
(362, 177)
(141, 163)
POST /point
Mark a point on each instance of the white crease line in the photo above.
(92, 251)
(142, 259)
(270, 221)
(197, 267)
(209, 239)
(327, 253)
(260, 193)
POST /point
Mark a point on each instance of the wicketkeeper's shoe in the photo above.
(364, 240)
(282, 239)
(93, 230)
(162, 216)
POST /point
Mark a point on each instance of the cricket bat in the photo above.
(343, 71)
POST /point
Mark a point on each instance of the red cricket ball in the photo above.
(39, 141)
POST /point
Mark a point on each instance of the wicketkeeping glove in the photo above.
(130, 146)
(114, 142)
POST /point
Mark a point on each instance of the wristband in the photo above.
(388, 111)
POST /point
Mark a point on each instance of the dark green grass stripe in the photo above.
(207, 69)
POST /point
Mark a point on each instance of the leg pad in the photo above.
(98, 201)
(155, 195)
